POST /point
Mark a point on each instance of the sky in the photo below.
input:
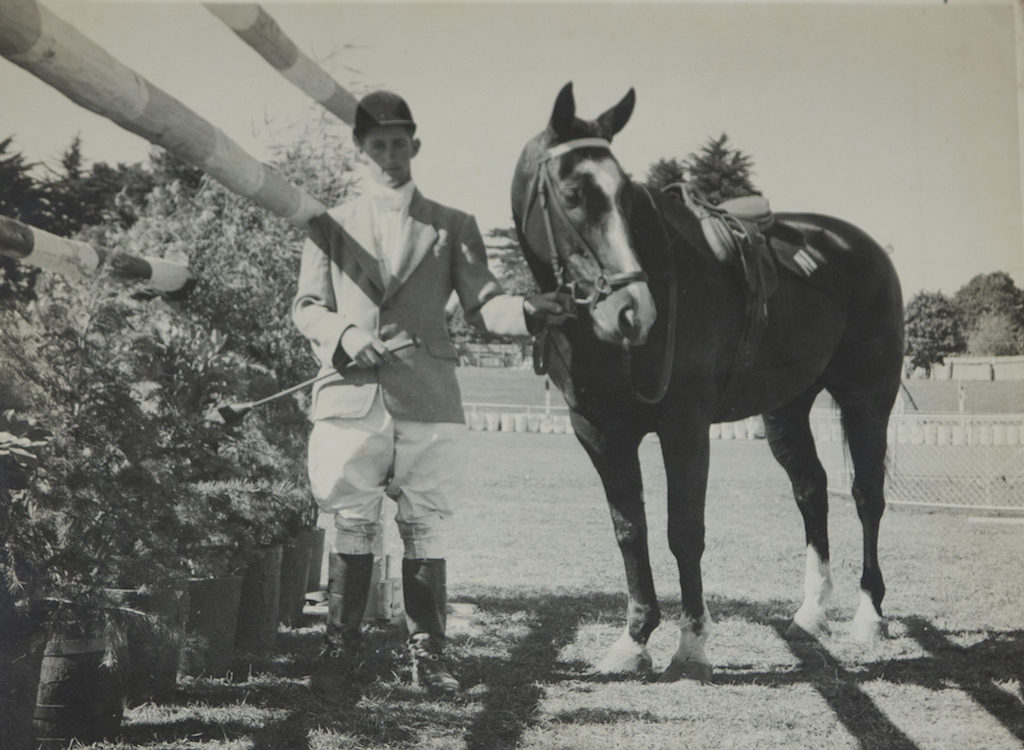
(902, 117)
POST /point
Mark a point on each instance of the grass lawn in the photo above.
(534, 552)
(522, 387)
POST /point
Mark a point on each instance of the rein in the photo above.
(670, 326)
(544, 189)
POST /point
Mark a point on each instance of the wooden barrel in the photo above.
(261, 596)
(212, 617)
(295, 560)
(78, 698)
(153, 647)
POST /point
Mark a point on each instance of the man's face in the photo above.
(388, 152)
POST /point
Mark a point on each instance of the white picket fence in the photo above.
(555, 420)
(941, 460)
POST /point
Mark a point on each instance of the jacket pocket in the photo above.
(338, 400)
(441, 348)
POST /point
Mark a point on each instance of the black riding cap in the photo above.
(382, 108)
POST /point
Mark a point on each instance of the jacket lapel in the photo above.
(421, 238)
(359, 227)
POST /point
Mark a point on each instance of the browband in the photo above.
(563, 148)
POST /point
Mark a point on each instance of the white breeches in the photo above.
(355, 463)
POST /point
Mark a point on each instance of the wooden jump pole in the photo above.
(259, 30)
(35, 247)
(36, 39)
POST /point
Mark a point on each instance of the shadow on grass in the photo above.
(514, 689)
(506, 662)
(976, 669)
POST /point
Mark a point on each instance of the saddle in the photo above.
(742, 233)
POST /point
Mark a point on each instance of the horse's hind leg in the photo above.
(864, 423)
(788, 431)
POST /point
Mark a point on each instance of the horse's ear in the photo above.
(614, 119)
(564, 113)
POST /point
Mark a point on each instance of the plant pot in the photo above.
(78, 698)
(212, 619)
(154, 648)
(20, 655)
(261, 596)
(295, 557)
(316, 559)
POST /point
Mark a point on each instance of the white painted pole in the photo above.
(73, 258)
(54, 51)
(260, 31)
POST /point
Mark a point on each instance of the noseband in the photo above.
(543, 188)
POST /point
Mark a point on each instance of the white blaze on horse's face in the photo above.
(592, 192)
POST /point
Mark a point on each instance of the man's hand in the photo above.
(365, 349)
(550, 307)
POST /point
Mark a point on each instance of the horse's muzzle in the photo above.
(625, 316)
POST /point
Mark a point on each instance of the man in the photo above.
(392, 424)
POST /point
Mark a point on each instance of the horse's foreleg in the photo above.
(614, 454)
(686, 454)
(789, 435)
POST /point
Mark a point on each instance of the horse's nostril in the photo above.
(627, 322)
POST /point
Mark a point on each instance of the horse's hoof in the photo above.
(687, 670)
(869, 632)
(639, 664)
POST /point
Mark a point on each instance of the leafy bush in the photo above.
(140, 482)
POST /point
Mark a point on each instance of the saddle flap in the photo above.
(734, 231)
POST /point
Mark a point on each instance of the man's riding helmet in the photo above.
(382, 108)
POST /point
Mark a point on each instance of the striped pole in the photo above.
(51, 49)
(74, 258)
(260, 31)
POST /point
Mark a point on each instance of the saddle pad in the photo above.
(794, 250)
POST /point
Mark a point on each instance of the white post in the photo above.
(259, 30)
(54, 51)
(73, 258)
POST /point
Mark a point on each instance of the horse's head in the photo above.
(569, 198)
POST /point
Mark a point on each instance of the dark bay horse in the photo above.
(666, 342)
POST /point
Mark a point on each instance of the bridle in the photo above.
(543, 189)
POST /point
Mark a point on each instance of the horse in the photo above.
(670, 338)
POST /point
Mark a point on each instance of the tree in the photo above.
(995, 335)
(21, 199)
(718, 170)
(19, 192)
(64, 211)
(990, 294)
(115, 193)
(665, 172)
(933, 329)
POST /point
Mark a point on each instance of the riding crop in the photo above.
(234, 413)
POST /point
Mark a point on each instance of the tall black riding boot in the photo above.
(425, 594)
(348, 587)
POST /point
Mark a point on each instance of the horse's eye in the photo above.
(571, 196)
